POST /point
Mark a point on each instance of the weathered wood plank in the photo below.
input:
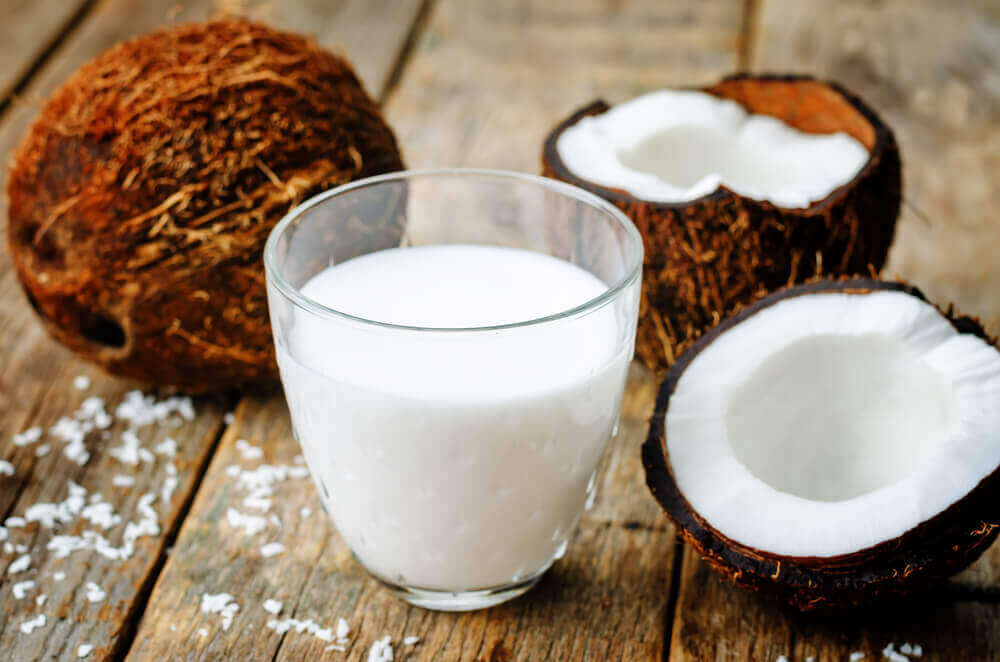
(716, 621)
(930, 69)
(485, 84)
(926, 67)
(29, 29)
(36, 378)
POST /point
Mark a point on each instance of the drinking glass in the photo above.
(455, 462)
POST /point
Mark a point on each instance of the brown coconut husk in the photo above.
(934, 550)
(141, 198)
(705, 257)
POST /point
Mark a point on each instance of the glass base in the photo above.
(463, 600)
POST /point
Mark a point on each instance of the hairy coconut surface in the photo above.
(707, 256)
(933, 550)
(141, 199)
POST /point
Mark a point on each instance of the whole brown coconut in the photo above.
(934, 550)
(706, 257)
(141, 199)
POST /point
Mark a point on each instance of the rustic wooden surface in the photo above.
(479, 84)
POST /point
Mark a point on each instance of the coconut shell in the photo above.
(141, 199)
(928, 553)
(705, 257)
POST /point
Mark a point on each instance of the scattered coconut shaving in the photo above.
(411, 640)
(220, 603)
(308, 625)
(381, 650)
(248, 451)
(121, 480)
(169, 484)
(20, 564)
(29, 436)
(251, 524)
(32, 624)
(6, 468)
(81, 382)
(271, 549)
(84, 650)
(167, 447)
(855, 656)
(20, 589)
(272, 606)
(95, 593)
(59, 576)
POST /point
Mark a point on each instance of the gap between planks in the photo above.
(130, 624)
(60, 37)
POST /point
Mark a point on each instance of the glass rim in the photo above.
(294, 294)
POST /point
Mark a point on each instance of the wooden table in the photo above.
(479, 84)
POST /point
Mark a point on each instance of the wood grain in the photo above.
(36, 374)
(716, 621)
(486, 82)
(930, 69)
(29, 29)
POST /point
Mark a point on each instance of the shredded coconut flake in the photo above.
(84, 650)
(81, 383)
(121, 480)
(6, 468)
(40, 600)
(20, 564)
(169, 484)
(309, 625)
(305, 511)
(248, 450)
(43, 450)
(381, 650)
(228, 418)
(220, 603)
(272, 606)
(29, 436)
(30, 625)
(167, 447)
(101, 514)
(343, 629)
(411, 640)
(95, 593)
(59, 576)
(251, 524)
(20, 589)
(271, 549)
(855, 656)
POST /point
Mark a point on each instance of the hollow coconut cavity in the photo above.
(141, 198)
(738, 189)
(836, 442)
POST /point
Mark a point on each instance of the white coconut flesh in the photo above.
(828, 423)
(676, 146)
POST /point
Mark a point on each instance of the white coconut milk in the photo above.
(454, 460)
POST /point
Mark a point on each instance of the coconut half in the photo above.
(836, 441)
(739, 189)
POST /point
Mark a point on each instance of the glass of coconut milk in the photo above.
(453, 346)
